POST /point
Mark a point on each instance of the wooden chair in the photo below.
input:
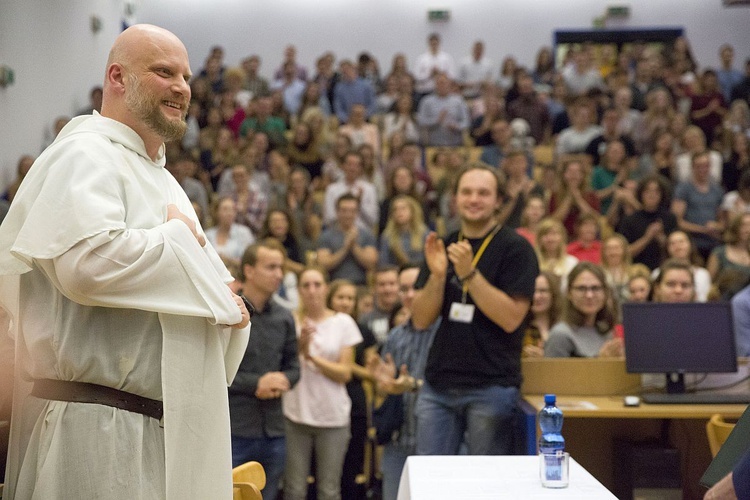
(717, 431)
(246, 491)
(249, 478)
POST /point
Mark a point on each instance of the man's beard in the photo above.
(147, 108)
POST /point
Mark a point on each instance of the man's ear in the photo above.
(116, 77)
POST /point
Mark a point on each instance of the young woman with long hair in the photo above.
(589, 317)
(551, 243)
(543, 314)
(317, 409)
(402, 240)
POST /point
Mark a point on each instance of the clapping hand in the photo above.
(384, 371)
(307, 332)
(461, 254)
(435, 256)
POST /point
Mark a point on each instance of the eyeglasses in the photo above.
(583, 289)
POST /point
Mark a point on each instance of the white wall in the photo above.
(57, 59)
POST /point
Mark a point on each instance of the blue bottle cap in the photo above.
(549, 399)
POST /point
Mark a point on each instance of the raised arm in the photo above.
(429, 300)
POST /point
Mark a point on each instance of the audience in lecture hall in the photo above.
(350, 167)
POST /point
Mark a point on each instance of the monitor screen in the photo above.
(679, 338)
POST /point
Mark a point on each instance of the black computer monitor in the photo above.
(679, 338)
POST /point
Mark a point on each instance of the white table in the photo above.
(490, 477)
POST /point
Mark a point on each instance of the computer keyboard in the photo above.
(696, 398)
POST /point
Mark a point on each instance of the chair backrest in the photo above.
(250, 472)
(717, 431)
(246, 491)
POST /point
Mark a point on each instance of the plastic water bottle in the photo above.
(552, 444)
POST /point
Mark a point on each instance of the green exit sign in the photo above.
(618, 11)
(438, 15)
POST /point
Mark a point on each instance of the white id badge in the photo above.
(461, 313)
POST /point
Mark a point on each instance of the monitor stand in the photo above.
(675, 383)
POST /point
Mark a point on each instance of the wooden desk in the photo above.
(490, 477)
(613, 407)
(592, 422)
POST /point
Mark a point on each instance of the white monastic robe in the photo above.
(102, 289)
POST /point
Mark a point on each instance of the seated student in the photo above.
(372, 169)
(401, 119)
(738, 150)
(402, 181)
(737, 202)
(402, 240)
(616, 262)
(534, 211)
(572, 197)
(359, 130)
(735, 252)
(550, 250)
(518, 187)
(250, 198)
(588, 321)
(680, 247)
(586, 246)
(345, 250)
(582, 131)
(646, 229)
(696, 205)
(543, 314)
(229, 238)
(674, 283)
(611, 174)
(305, 150)
(639, 288)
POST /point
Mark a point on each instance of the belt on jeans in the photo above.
(83, 392)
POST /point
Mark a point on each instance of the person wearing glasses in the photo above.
(587, 326)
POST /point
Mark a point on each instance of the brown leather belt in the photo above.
(83, 392)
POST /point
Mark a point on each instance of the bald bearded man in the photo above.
(126, 334)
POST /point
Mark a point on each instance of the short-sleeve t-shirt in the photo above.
(480, 353)
(317, 400)
(349, 268)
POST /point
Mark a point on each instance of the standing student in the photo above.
(318, 409)
(480, 282)
(402, 375)
(268, 370)
(120, 309)
(342, 297)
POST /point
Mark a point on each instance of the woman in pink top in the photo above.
(317, 409)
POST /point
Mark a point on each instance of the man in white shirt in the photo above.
(582, 75)
(118, 302)
(443, 115)
(475, 71)
(432, 63)
(353, 183)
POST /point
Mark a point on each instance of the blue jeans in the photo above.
(484, 416)
(270, 452)
(391, 466)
